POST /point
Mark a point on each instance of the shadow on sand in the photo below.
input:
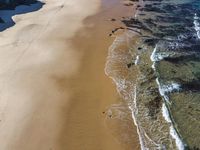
(7, 12)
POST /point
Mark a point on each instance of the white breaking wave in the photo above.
(153, 66)
(121, 87)
(165, 113)
(180, 145)
(137, 60)
(173, 133)
(140, 131)
(197, 25)
(155, 56)
(164, 90)
(133, 109)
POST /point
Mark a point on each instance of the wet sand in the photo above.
(94, 92)
(54, 91)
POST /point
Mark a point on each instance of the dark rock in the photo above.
(112, 19)
(154, 106)
(130, 65)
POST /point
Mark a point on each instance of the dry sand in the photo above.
(53, 88)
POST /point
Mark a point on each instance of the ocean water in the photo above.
(156, 67)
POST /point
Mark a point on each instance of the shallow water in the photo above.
(162, 87)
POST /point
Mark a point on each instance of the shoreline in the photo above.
(100, 26)
(54, 93)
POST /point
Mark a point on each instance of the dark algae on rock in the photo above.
(167, 89)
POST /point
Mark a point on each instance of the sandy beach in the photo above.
(54, 93)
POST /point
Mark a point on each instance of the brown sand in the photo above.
(94, 92)
(53, 87)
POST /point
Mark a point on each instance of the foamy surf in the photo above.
(165, 113)
(197, 25)
(169, 36)
(172, 39)
(157, 56)
(164, 90)
(179, 143)
(133, 108)
(137, 60)
(121, 85)
(128, 91)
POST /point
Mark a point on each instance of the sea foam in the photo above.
(197, 25)
(180, 145)
(158, 56)
(121, 87)
(133, 108)
(137, 60)
(164, 90)
(165, 113)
